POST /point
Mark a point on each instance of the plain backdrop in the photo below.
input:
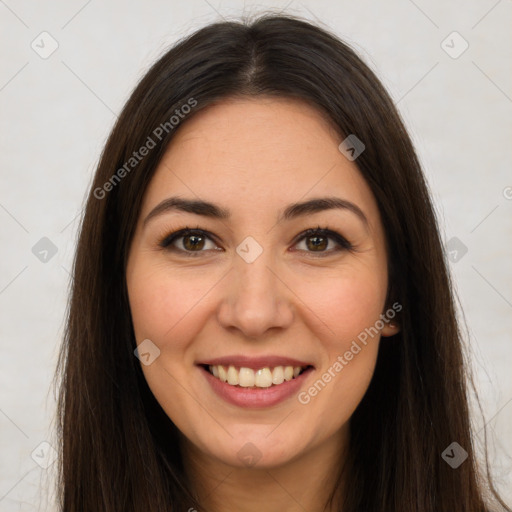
(453, 90)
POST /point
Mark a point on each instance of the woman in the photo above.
(261, 314)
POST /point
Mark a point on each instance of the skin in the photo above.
(255, 156)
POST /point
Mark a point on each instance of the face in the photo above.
(249, 287)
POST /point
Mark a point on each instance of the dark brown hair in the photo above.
(119, 450)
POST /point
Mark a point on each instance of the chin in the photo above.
(258, 450)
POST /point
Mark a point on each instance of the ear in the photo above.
(390, 329)
(392, 325)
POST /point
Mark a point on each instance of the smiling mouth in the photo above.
(261, 378)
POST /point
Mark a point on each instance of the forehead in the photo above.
(250, 152)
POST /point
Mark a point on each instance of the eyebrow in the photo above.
(292, 211)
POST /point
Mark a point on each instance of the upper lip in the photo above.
(254, 362)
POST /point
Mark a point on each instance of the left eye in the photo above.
(195, 241)
(317, 240)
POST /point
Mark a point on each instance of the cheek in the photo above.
(350, 307)
(165, 308)
(346, 305)
(161, 302)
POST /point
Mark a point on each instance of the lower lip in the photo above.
(256, 397)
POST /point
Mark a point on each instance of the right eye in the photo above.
(192, 241)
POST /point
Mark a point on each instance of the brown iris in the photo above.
(196, 241)
(319, 242)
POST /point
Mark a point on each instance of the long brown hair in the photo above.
(119, 450)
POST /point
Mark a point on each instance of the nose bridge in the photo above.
(255, 279)
(256, 299)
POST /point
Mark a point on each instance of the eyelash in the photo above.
(343, 243)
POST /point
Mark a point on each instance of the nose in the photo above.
(255, 299)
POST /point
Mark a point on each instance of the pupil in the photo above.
(318, 241)
(196, 243)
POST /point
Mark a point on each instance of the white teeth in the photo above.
(288, 373)
(233, 376)
(246, 377)
(262, 378)
(223, 376)
(278, 375)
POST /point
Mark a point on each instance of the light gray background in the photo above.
(57, 112)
